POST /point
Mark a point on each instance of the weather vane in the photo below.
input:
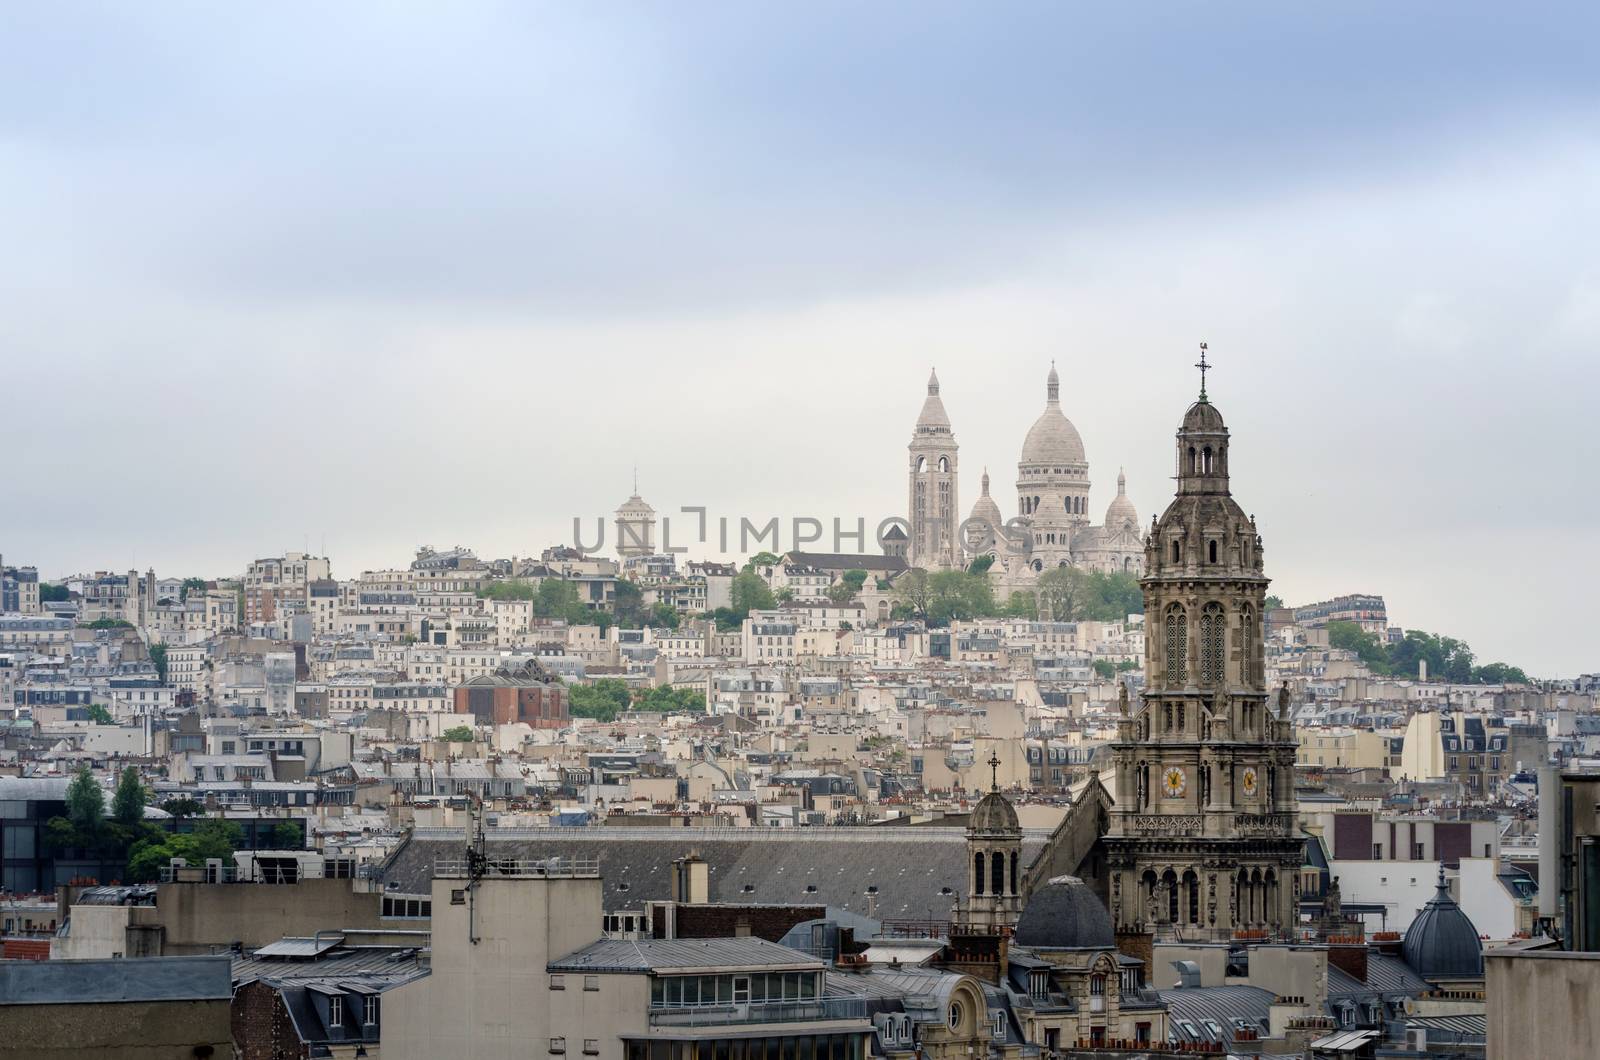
(1204, 368)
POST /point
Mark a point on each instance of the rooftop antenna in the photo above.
(477, 867)
(1204, 368)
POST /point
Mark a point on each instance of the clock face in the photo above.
(1249, 780)
(1173, 782)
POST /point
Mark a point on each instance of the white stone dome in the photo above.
(1121, 513)
(986, 511)
(1053, 440)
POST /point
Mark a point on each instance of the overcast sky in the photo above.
(377, 276)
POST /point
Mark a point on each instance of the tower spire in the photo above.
(1204, 367)
(994, 770)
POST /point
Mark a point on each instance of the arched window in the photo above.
(1177, 640)
(1170, 882)
(977, 873)
(1177, 551)
(944, 463)
(1013, 872)
(1247, 646)
(1207, 460)
(922, 464)
(1211, 552)
(997, 877)
(1212, 656)
(1194, 460)
(1191, 884)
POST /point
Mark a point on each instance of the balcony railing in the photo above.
(817, 1010)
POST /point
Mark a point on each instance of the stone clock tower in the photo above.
(1203, 840)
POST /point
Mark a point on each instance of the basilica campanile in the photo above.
(1203, 841)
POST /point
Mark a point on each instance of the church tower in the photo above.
(935, 514)
(994, 864)
(1203, 840)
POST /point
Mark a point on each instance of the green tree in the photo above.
(628, 605)
(99, 715)
(727, 619)
(128, 802)
(782, 595)
(1500, 674)
(1061, 594)
(981, 565)
(855, 578)
(106, 623)
(956, 595)
(664, 616)
(1273, 603)
(762, 559)
(210, 839)
(1022, 605)
(602, 699)
(158, 655)
(841, 592)
(667, 700)
(288, 835)
(191, 585)
(86, 803)
(914, 590)
(1109, 597)
(183, 807)
(750, 593)
(459, 734)
(509, 589)
(1105, 669)
(53, 594)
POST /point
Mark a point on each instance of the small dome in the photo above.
(1065, 914)
(986, 512)
(1203, 417)
(993, 813)
(1441, 942)
(1121, 514)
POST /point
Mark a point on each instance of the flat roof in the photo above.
(90, 982)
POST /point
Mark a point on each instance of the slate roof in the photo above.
(682, 955)
(107, 981)
(1220, 1004)
(373, 964)
(1065, 914)
(910, 867)
(1387, 976)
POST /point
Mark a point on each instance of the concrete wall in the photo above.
(1541, 1003)
(129, 1030)
(98, 931)
(200, 916)
(491, 1000)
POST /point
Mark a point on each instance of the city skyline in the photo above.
(317, 298)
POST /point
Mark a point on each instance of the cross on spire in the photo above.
(1204, 368)
(994, 770)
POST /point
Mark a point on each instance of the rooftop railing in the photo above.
(563, 867)
(814, 1011)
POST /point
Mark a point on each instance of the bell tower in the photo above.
(994, 861)
(934, 505)
(1203, 840)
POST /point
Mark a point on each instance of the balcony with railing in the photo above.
(815, 1010)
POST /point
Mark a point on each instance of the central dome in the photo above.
(1065, 914)
(1052, 439)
